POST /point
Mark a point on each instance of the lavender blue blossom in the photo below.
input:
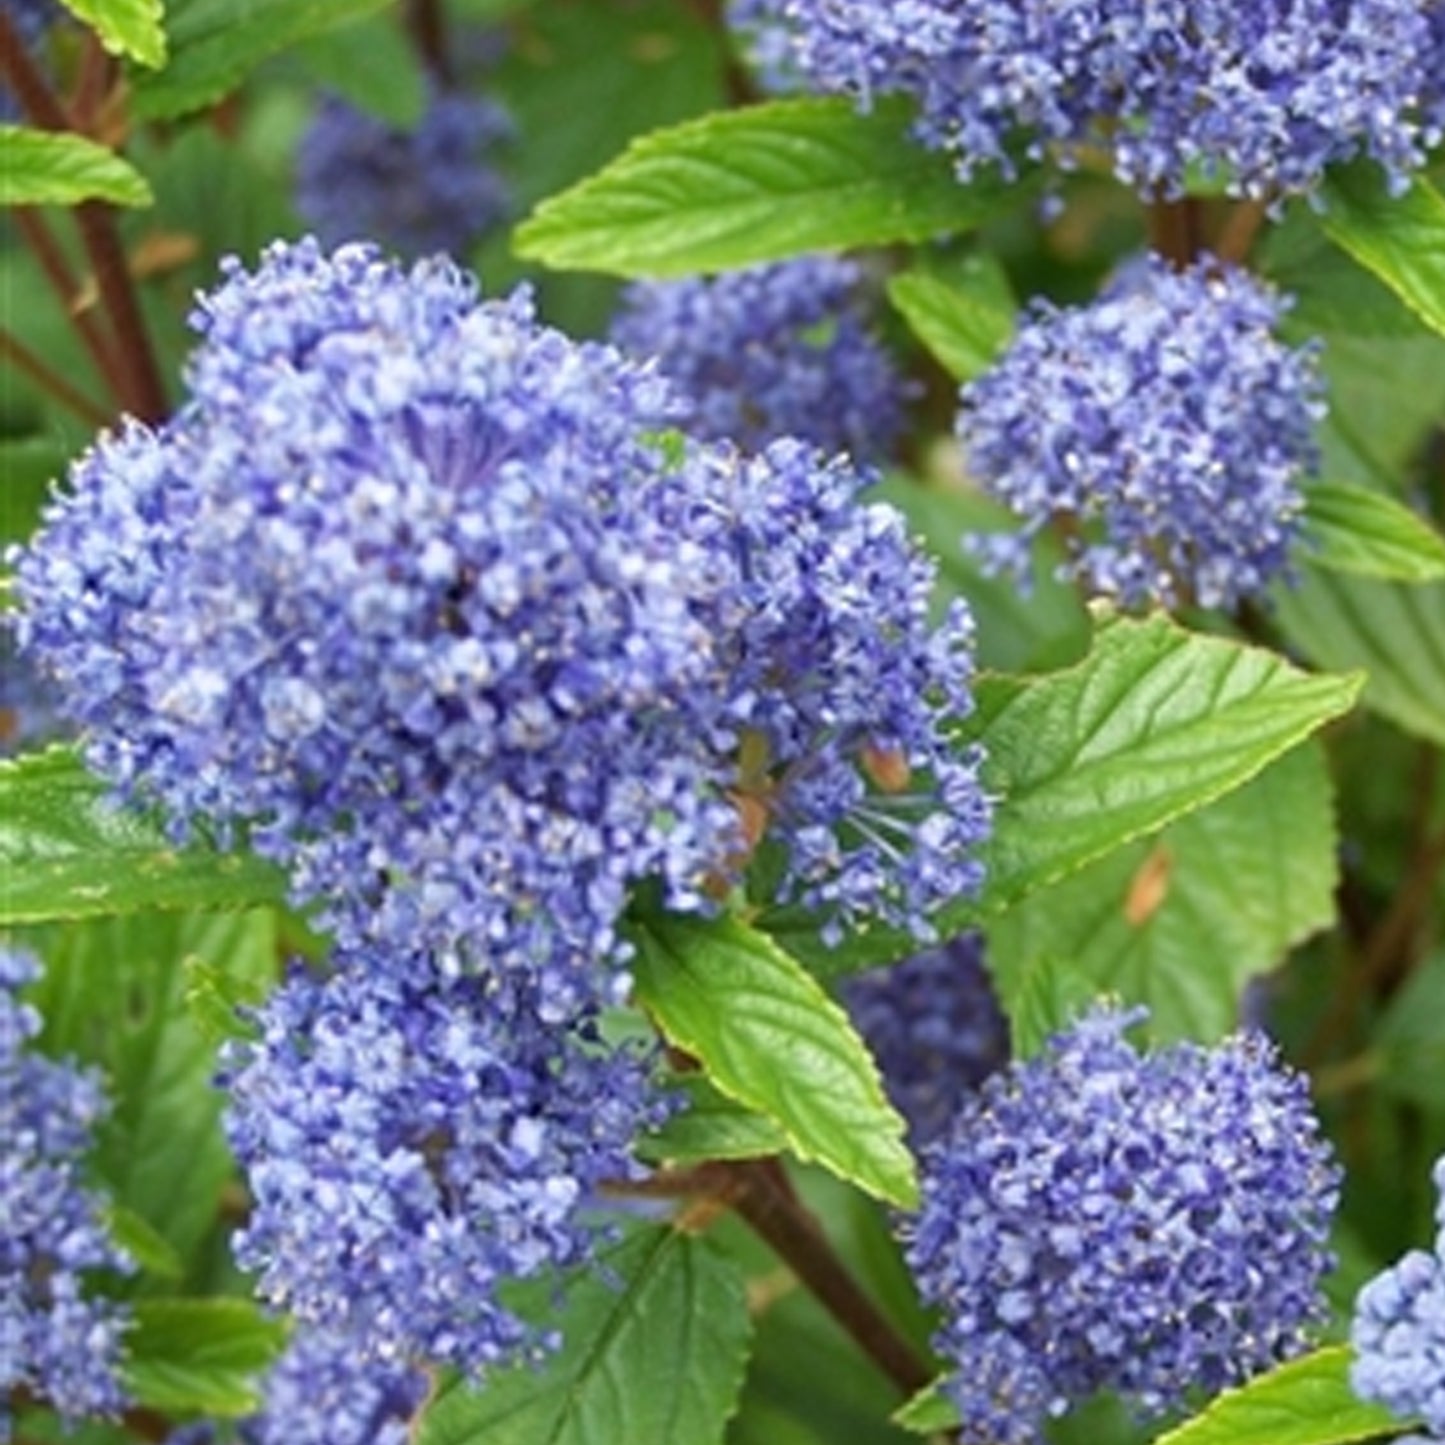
(1164, 424)
(1100, 1218)
(784, 350)
(935, 1028)
(765, 40)
(1258, 96)
(410, 1148)
(57, 1340)
(415, 191)
(31, 18)
(28, 715)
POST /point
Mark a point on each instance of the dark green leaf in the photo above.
(67, 852)
(929, 1412)
(758, 184)
(1367, 533)
(126, 27)
(146, 1246)
(1306, 1402)
(48, 168)
(1407, 1051)
(372, 65)
(769, 1037)
(965, 318)
(1044, 995)
(711, 1127)
(27, 469)
(655, 1342)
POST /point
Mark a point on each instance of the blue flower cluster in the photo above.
(1398, 1333)
(1100, 1218)
(56, 1340)
(415, 191)
(31, 18)
(765, 41)
(1163, 424)
(782, 350)
(1260, 95)
(28, 717)
(935, 1028)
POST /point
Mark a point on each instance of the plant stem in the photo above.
(50, 380)
(426, 23)
(1237, 236)
(1176, 230)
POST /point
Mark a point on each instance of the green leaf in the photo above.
(711, 1127)
(965, 319)
(759, 184)
(215, 44)
(1401, 239)
(1047, 993)
(214, 995)
(371, 64)
(655, 1342)
(146, 1246)
(1305, 1402)
(1407, 1051)
(48, 168)
(1183, 920)
(126, 27)
(66, 851)
(1365, 532)
(929, 1412)
(1394, 631)
(770, 1038)
(199, 1355)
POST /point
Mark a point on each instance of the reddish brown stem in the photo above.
(1237, 236)
(426, 22)
(47, 379)
(1176, 230)
(92, 87)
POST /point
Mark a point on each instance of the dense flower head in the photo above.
(1164, 423)
(28, 717)
(56, 1339)
(765, 41)
(1261, 95)
(783, 350)
(934, 1026)
(416, 191)
(409, 1147)
(1101, 1218)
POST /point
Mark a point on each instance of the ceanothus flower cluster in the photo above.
(416, 191)
(1100, 1218)
(934, 1026)
(1163, 423)
(783, 350)
(31, 18)
(1398, 1334)
(28, 717)
(1259, 95)
(57, 1339)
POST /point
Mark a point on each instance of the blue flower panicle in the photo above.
(56, 1339)
(789, 349)
(1164, 424)
(1100, 1218)
(428, 189)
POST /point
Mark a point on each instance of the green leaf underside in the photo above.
(655, 1342)
(1182, 921)
(1155, 723)
(1357, 530)
(759, 184)
(46, 168)
(66, 851)
(125, 27)
(769, 1037)
(712, 1126)
(1305, 1402)
(201, 1355)
(929, 1412)
(1401, 239)
(964, 320)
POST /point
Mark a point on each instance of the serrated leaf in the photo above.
(199, 1355)
(1394, 631)
(1401, 239)
(1183, 920)
(711, 1126)
(214, 997)
(769, 1037)
(655, 1341)
(215, 44)
(66, 851)
(745, 186)
(125, 27)
(929, 1412)
(965, 319)
(50, 168)
(150, 1250)
(1365, 532)
(1305, 1402)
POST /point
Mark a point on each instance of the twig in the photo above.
(426, 23)
(1237, 236)
(1176, 230)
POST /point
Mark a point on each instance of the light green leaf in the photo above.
(769, 1037)
(66, 851)
(712, 1126)
(1399, 238)
(147, 1247)
(929, 1412)
(1365, 532)
(126, 27)
(1183, 920)
(965, 319)
(745, 186)
(199, 1355)
(49, 168)
(655, 1342)
(1305, 1402)
(215, 44)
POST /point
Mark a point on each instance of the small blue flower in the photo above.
(28, 707)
